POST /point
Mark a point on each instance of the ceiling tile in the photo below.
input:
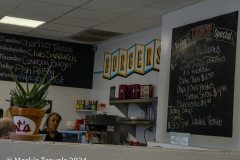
(75, 22)
(11, 32)
(173, 4)
(73, 3)
(117, 28)
(65, 18)
(135, 2)
(88, 38)
(135, 21)
(44, 7)
(5, 11)
(148, 12)
(10, 3)
(11, 28)
(33, 15)
(43, 36)
(109, 6)
(76, 41)
(92, 15)
(49, 33)
(62, 28)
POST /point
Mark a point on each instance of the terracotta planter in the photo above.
(27, 120)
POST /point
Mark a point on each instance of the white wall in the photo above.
(101, 86)
(197, 12)
(63, 99)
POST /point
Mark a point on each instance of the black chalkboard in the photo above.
(202, 71)
(30, 57)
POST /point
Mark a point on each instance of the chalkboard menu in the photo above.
(202, 70)
(29, 58)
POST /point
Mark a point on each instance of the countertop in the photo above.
(69, 151)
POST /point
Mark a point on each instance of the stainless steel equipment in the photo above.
(104, 129)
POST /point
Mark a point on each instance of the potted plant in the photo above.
(27, 105)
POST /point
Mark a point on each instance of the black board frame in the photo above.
(202, 72)
(29, 58)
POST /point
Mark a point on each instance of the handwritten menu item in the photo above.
(202, 71)
(30, 58)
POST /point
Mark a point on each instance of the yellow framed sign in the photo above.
(114, 65)
(139, 59)
(157, 54)
(107, 65)
(122, 58)
(131, 59)
(148, 56)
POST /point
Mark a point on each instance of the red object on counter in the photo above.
(78, 123)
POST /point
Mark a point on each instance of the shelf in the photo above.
(70, 131)
(126, 101)
(137, 122)
(83, 110)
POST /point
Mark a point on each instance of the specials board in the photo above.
(202, 70)
(29, 58)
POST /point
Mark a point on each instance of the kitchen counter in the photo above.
(27, 150)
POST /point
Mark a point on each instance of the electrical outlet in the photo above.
(150, 129)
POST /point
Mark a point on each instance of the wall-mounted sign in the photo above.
(122, 69)
(29, 58)
(156, 57)
(107, 65)
(131, 59)
(149, 57)
(138, 58)
(202, 71)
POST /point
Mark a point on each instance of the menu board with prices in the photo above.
(202, 71)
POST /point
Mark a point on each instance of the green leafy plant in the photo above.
(34, 98)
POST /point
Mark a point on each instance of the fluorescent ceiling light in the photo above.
(21, 22)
